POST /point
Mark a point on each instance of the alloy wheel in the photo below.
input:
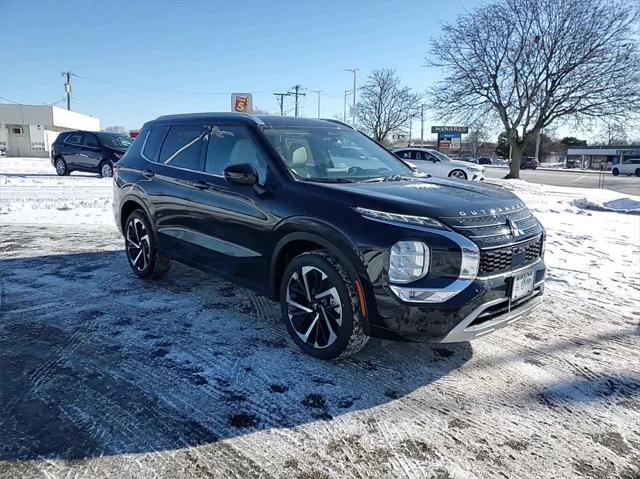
(138, 247)
(106, 170)
(458, 174)
(60, 167)
(314, 308)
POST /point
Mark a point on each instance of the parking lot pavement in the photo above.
(622, 184)
(105, 375)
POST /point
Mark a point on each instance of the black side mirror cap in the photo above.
(241, 174)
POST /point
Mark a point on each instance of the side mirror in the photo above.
(241, 174)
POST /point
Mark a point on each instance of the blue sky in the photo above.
(137, 60)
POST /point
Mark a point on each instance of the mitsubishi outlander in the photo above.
(317, 216)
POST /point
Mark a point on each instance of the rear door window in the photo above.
(136, 147)
(74, 139)
(91, 140)
(182, 148)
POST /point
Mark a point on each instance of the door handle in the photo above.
(201, 185)
(149, 173)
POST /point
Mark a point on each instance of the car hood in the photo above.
(464, 164)
(432, 197)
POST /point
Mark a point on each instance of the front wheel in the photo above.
(106, 169)
(321, 308)
(458, 174)
(140, 245)
(615, 172)
(638, 172)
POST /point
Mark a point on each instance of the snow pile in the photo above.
(568, 198)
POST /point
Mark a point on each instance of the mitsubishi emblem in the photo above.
(515, 231)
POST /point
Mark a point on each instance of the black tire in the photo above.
(105, 169)
(61, 167)
(338, 330)
(141, 250)
(638, 172)
(458, 174)
(615, 172)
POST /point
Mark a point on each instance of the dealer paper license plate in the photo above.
(522, 285)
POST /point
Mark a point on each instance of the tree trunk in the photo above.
(514, 169)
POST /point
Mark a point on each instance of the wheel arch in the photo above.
(336, 244)
(128, 205)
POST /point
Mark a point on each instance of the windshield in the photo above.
(334, 155)
(115, 140)
(440, 155)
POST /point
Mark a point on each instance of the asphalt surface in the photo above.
(577, 179)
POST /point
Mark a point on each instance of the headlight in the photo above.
(408, 261)
(398, 218)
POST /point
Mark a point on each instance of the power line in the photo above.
(164, 90)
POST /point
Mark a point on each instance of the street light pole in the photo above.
(344, 112)
(318, 92)
(353, 110)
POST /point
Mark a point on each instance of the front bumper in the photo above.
(484, 306)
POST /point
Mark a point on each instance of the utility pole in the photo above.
(353, 110)
(344, 111)
(538, 145)
(281, 101)
(296, 93)
(67, 87)
(421, 126)
(318, 92)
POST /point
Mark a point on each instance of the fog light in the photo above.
(408, 261)
(470, 263)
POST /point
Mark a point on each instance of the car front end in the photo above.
(453, 275)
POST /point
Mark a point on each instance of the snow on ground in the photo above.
(104, 375)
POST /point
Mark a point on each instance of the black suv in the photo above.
(352, 245)
(93, 152)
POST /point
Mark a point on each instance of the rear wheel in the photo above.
(458, 174)
(61, 167)
(140, 245)
(615, 172)
(106, 169)
(320, 307)
(638, 172)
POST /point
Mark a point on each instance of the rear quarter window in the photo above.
(136, 147)
(154, 140)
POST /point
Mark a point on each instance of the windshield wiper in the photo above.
(329, 180)
(387, 178)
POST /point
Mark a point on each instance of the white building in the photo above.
(29, 130)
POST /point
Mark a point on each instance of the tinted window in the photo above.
(115, 140)
(183, 146)
(91, 140)
(136, 146)
(156, 135)
(232, 145)
(74, 139)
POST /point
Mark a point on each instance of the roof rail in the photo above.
(339, 122)
(248, 116)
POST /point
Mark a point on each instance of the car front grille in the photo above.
(500, 260)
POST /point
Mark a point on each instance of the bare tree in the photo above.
(612, 133)
(529, 63)
(116, 129)
(385, 105)
(476, 138)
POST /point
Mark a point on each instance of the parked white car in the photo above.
(440, 165)
(627, 167)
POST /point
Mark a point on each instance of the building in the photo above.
(29, 130)
(596, 157)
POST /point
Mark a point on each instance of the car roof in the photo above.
(261, 120)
